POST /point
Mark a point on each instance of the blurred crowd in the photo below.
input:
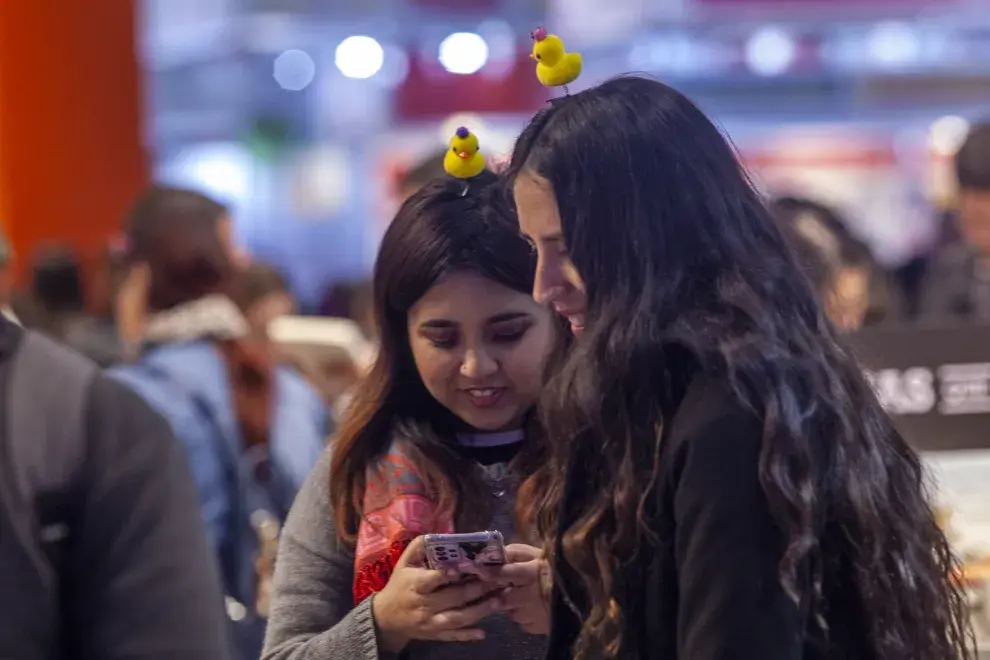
(950, 280)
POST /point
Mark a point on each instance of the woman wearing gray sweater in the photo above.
(436, 441)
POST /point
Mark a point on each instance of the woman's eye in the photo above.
(441, 340)
(509, 335)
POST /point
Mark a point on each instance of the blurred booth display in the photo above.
(332, 352)
(935, 383)
(796, 6)
(457, 5)
(321, 182)
(962, 489)
(585, 22)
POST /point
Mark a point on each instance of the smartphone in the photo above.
(468, 553)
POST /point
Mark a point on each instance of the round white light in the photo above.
(894, 44)
(463, 53)
(294, 70)
(359, 57)
(948, 134)
(770, 52)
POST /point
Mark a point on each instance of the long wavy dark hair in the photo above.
(679, 253)
(438, 231)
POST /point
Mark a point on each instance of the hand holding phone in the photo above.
(526, 581)
(421, 603)
(467, 554)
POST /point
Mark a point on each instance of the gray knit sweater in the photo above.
(312, 611)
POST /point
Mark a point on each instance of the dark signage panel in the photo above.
(934, 382)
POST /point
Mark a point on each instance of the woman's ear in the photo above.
(131, 305)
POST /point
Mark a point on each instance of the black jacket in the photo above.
(132, 577)
(710, 590)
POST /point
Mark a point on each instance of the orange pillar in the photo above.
(71, 158)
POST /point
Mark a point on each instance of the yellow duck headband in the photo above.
(464, 160)
(555, 67)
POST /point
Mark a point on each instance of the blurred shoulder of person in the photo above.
(958, 281)
(103, 552)
(252, 428)
(57, 306)
(853, 288)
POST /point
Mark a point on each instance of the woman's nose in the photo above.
(478, 364)
(548, 285)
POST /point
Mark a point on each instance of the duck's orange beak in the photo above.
(463, 155)
(532, 57)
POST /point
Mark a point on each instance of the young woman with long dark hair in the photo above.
(436, 440)
(724, 483)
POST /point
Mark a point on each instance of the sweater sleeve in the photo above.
(312, 614)
(727, 545)
(142, 580)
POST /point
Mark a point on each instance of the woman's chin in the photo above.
(491, 421)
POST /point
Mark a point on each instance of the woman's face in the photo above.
(849, 299)
(557, 281)
(479, 348)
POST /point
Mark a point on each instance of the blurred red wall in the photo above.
(71, 159)
(430, 92)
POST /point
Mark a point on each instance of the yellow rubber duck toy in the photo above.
(555, 67)
(463, 160)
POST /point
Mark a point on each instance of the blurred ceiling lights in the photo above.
(463, 53)
(294, 70)
(770, 52)
(894, 44)
(359, 57)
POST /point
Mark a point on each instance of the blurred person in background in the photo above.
(351, 300)
(854, 289)
(958, 282)
(439, 438)
(131, 304)
(7, 279)
(264, 294)
(252, 429)
(103, 553)
(58, 301)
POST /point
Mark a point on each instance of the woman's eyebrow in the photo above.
(438, 323)
(508, 316)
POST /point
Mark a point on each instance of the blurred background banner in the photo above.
(71, 155)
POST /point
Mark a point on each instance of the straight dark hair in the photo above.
(678, 253)
(438, 231)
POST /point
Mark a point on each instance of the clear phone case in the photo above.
(468, 553)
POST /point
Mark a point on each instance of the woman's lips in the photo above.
(575, 318)
(485, 397)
